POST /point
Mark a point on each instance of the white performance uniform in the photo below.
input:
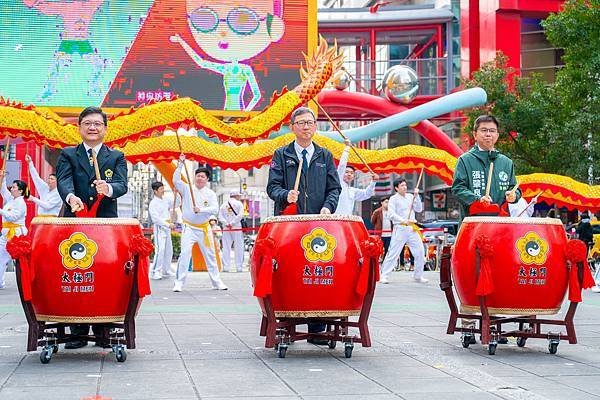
(404, 234)
(160, 213)
(196, 229)
(516, 208)
(13, 212)
(49, 202)
(349, 195)
(236, 238)
(386, 224)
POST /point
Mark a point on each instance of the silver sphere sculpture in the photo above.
(341, 80)
(400, 84)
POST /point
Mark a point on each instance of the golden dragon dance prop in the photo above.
(558, 189)
(404, 158)
(37, 124)
(561, 190)
(31, 124)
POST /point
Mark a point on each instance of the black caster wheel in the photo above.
(553, 347)
(466, 341)
(492, 348)
(45, 355)
(281, 352)
(348, 350)
(120, 354)
(521, 341)
(331, 344)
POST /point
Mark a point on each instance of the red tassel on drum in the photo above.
(19, 248)
(264, 280)
(370, 249)
(143, 282)
(485, 282)
(577, 253)
(142, 247)
(574, 289)
(363, 277)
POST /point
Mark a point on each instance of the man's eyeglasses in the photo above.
(241, 20)
(302, 124)
(96, 124)
(486, 130)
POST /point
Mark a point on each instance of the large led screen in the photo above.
(228, 54)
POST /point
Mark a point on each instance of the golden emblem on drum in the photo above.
(532, 249)
(318, 245)
(78, 251)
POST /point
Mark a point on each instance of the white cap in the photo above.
(234, 193)
(212, 217)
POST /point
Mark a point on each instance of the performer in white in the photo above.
(161, 209)
(196, 227)
(350, 194)
(231, 214)
(49, 203)
(13, 215)
(404, 231)
(516, 209)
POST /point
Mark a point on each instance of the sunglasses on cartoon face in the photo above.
(241, 20)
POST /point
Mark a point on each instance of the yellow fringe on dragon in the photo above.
(410, 157)
(557, 189)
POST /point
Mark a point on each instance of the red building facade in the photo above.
(487, 27)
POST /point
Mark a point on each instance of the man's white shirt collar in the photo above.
(309, 150)
(96, 148)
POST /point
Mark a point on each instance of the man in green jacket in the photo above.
(471, 174)
(473, 167)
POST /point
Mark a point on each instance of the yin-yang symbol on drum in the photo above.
(533, 248)
(318, 245)
(77, 251)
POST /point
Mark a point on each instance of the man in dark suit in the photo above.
(75, 174)
(319, 187)
(77, 183)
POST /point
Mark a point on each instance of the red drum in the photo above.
(312, 265)
(82, 268)
(522, 267)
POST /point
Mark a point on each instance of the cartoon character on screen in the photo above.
(232, 31)
(76, 16)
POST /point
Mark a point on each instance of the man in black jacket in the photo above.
(75, 174)
(585, 231)
(77, 183)
(319, 188)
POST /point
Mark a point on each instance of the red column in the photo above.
(469, 37)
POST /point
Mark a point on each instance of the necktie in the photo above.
(304, 161)
(91, 157)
